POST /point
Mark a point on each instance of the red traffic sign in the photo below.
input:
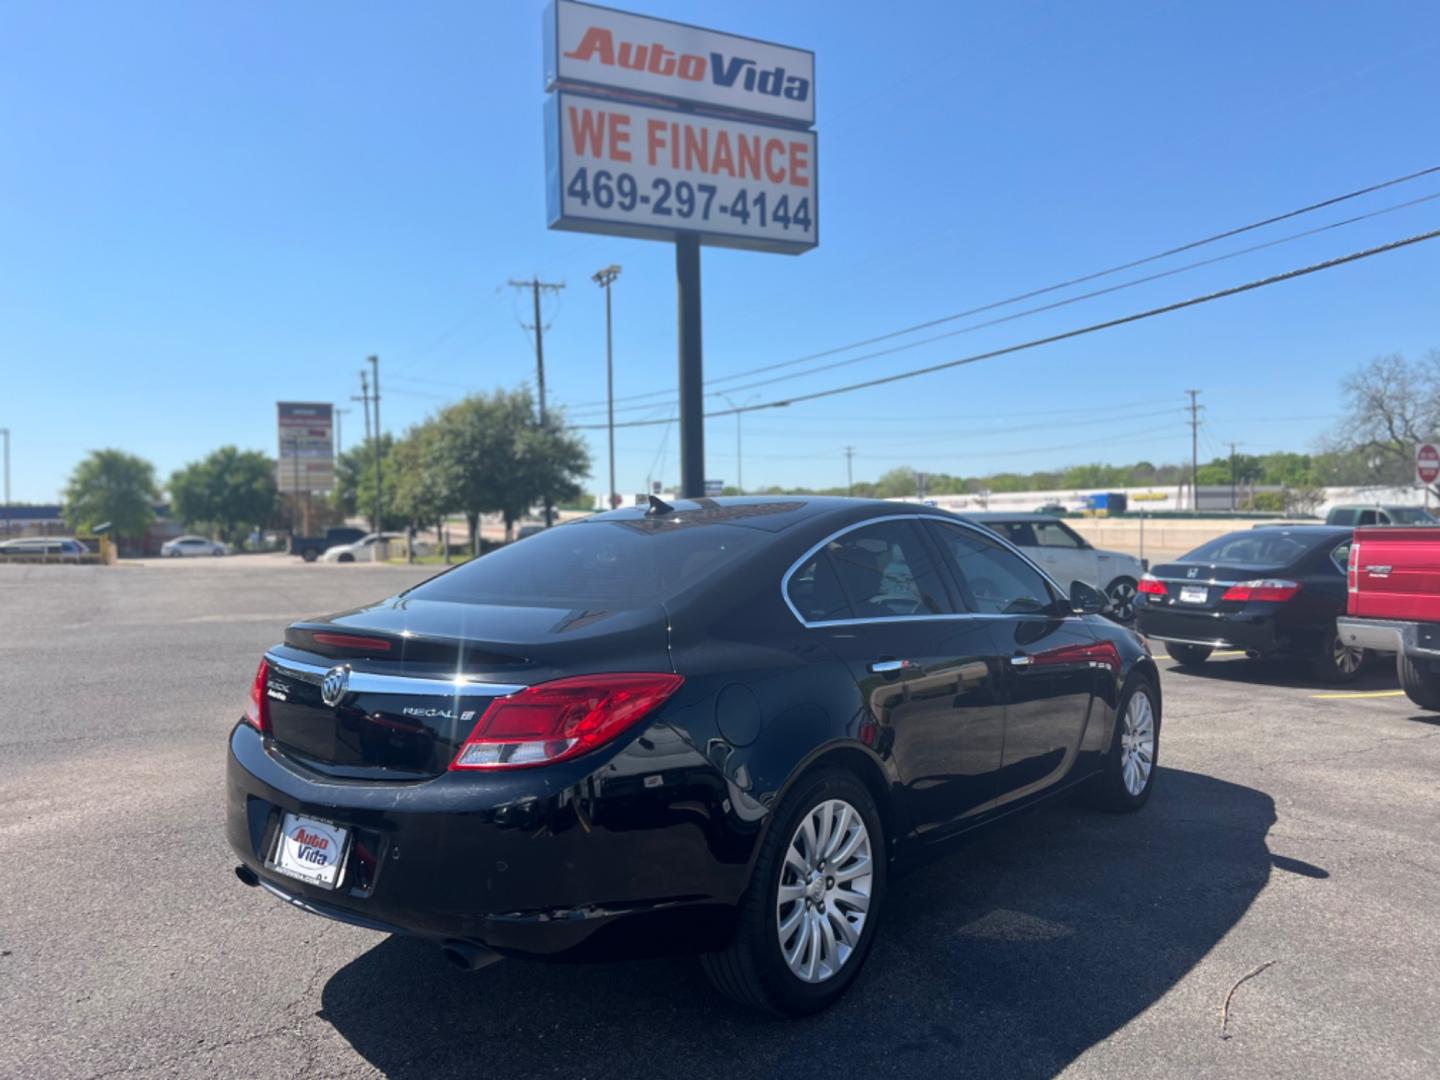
(1427, 463)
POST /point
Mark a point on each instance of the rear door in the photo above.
(1048, 657)
(1064, 554)
(928, 672)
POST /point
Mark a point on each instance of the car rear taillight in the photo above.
(1272, 589)
(257, 710)
(1151, 586)
(556, 720)
(1352, 569)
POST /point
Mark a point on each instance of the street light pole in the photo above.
(739, 412)
(605, 278)
(6, 433)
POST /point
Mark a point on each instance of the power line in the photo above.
(1235, 290)
(1202, 242)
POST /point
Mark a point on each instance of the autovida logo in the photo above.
(729, 72)
(311, 846)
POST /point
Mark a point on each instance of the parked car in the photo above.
(186, 546)
(311, 548)
(1270, 592)
(1394, 605)
(364, 549)
(530, 528)
(61, 548)
(1068, 556)
(707, 727)
(1357, 516)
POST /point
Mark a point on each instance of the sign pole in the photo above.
(692, 402)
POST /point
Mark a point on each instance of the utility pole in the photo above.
(379, 484)
(6, 432)
(339, 430)
(535, 285)
(605, 278)
(689, 339)
(739, 413)
(1194, 449)
(364, 399)
(849, 473)
(1233, 505)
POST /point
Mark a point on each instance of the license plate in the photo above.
(1192, 595)
(311, 850)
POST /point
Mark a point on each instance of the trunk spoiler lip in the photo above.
(360, 681)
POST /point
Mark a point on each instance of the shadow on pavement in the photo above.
(1007, 957)
(1378, 674)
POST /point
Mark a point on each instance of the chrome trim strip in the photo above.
(369, 682)
(1218, 643)
(959, 523)
(1197, 581)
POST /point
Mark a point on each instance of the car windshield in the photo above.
(1255, 548)
(625, 564)
(1410, 515)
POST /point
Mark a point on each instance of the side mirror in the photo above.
(1087, 599)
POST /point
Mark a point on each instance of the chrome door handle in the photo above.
(889, 667)
(1021, 661)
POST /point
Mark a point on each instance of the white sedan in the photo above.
(374, 547)
(183, 546)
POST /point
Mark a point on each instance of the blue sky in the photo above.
(205, 208)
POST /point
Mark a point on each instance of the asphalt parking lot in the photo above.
(1291, 825)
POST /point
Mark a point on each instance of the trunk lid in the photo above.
(1396, 574)
(411, 677)
(1203, 591)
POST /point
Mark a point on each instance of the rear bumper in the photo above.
(1215, 630)
(598, 861)
(1390, 635)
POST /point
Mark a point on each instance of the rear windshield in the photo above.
(1257, 548)
(617, 565)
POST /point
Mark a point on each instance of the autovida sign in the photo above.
(656, 129)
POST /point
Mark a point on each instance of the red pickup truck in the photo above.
(1394, 604)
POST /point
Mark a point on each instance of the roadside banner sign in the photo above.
(650, 172)
(306, 462)
(1427, 463)
(600, 47)
(714, 487)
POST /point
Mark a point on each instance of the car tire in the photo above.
(1121, 592)
(1129, 774)
(347, 557)
(1188, 655)
(1336, 662)
(784, 972)
(310, 555)
(1421, 685)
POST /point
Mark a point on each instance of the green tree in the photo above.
(549, 462)
(354, 491)
(113, 486)
(231, 491)
(413, 473)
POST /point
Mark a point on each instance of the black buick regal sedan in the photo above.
(709, 728)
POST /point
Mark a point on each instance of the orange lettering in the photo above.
(799, 164)
(774, 147)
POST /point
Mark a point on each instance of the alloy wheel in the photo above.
(1122, 601)
(824, 893)
(1137, 743)
(1347, 657)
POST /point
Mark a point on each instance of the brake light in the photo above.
(1152, 586)
(562, 719)
(257, 710)
(351, 641)
(1352, 569)
(1272, 589)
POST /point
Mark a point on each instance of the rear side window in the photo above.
(814, 591)
(1368, 517)
(883, 571)
(1018, 533)
(603, 564)
(993, 581)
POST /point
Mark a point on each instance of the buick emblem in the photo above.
(334, 685)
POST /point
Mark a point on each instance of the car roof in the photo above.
(986, 516)
(770, 513)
